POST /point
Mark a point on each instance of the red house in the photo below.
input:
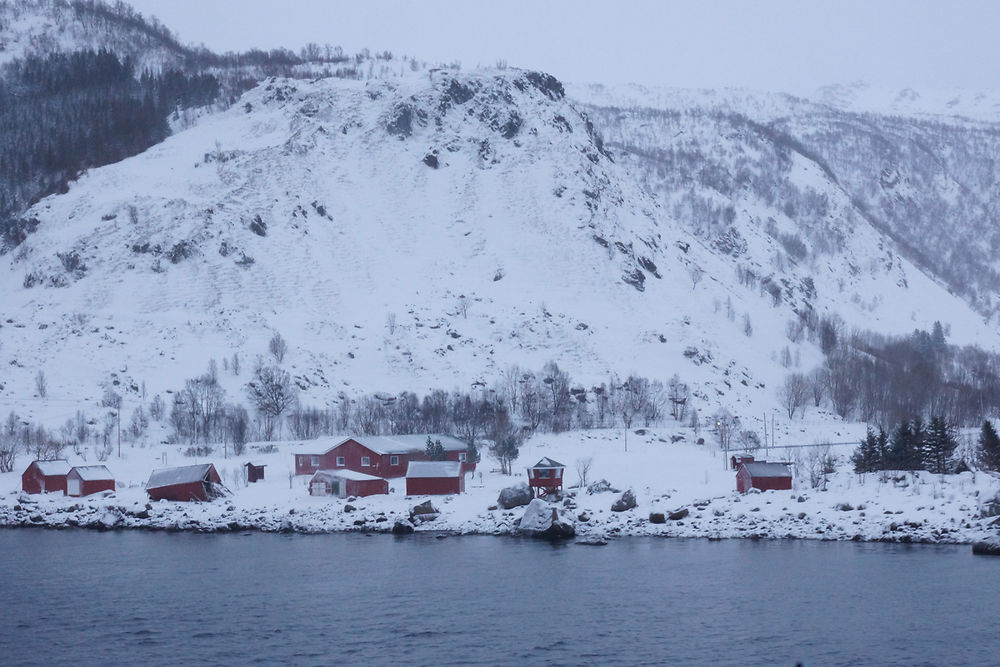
(85, 480)
(197, 482)
(430, 478)
(546, 476)
(344, 483)
(764, 476)
(385, 456)
(45, 477)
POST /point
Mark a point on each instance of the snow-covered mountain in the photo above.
(425, 231)
(43, 27)
(720, 159)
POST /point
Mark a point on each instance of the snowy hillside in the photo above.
(422, 232)
(43, 27)
(830, 190)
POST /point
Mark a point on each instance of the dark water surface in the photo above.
(85, 598)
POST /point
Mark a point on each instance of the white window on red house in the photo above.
(461, 457)
(394, 460)
(366, 461)
(341, 461)
(314, 460)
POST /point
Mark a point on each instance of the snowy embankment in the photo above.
(682, 480)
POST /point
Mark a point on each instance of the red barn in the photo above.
(428, 478)
(344, 483)
(85, 480)
(197, 482)
(546, 476)
(385, 456)
(764, 476)
(45, 477)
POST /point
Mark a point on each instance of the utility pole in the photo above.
(119, 429)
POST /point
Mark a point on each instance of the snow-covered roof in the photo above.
(344, 474)
(762, 469)
(93, 473)
(58, 467)
(546, 462)
(180, 475)
(402, 444)
(434, 469)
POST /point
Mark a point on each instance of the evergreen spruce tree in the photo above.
(989, 446)
(865, 457)
(435, 450)
(905, 444)
(937, 446)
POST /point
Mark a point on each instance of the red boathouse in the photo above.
(763, 476)
(85, 480)
(430, 478)
(344, 483)
(545, 477)
(45, 477)
(197, 482)
(380, 455)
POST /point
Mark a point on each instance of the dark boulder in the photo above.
(626, 502)
(657, 517)
(425, 511)
(518, 495)
(677, 515)
(401, 528)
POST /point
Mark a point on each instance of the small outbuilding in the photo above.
(736, 459)
(764, 476)
(45, 477)
(185, 483)
(545, 477)
(255, 473)
(85, 480)
(427, 478)
(344, 483)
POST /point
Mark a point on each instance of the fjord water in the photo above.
(158, 598)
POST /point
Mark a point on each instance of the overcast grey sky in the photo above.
(789, 45)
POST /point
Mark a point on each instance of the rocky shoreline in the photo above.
(717, 518)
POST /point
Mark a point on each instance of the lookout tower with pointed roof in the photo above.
(545, 477)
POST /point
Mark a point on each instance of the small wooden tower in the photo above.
(254, 473)
(545, 477)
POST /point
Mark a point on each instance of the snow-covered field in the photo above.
(665, 477)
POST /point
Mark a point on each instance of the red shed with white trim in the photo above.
(429, 478)
(385, 456)
(546, 477)
(344, 483)
(45, 477)
(184, 483)
(85, 480)
(764, 476)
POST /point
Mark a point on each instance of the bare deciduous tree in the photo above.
(278, 347)
(272, 392)
(41, 384)
(794, 393)
(583, 469)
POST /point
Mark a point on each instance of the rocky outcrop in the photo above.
(425, 511)
(546, 521)
(626, 502)
(518, 495)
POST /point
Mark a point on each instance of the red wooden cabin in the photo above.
(85, 480)
(255, 473)
(385, 456)
(764, 476)
(344, 483)
(736, 459)
(197, 482)
(428, 478)
(545, 477)
(45, 477)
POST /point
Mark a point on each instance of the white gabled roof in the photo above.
(57, 467)
(181, 475)
(344, 474)
(93, 473)
(546, 462)
(765, 469)
(402, 444)
(434, 469)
